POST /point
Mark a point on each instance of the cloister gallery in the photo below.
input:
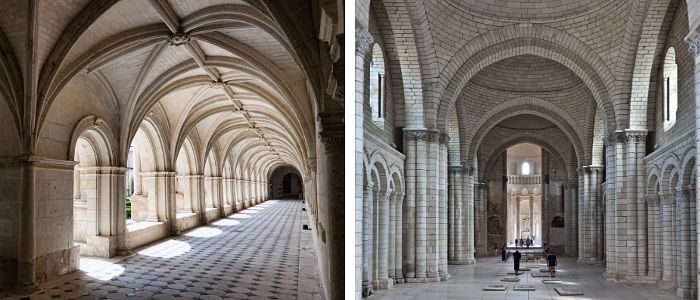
(566, 122)
(124, 124)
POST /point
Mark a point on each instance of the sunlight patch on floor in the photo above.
(226, 222)
(204, 232)
(167, 249)
(100, 269)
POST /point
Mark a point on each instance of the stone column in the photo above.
(597, 212)
(367, 238)
(480, 199)
(655, 236)
(137, 174)
(451, 217)
(398, 263)
(636, 196)
(569, 219)
(468, 214)
(409, 218)
(693, 40)
(518, 230)
(456, 223)
(683, 219)
(668, 255)
(392, 235)
(432, 198)
(442, 208)
(382, 222)
(583, 215)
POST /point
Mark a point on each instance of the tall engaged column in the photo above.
(595, 184)
(398, 262)
(667, 270)
(432, 207)
(367, 226)
(468, 214)
(693, 40)
(421, 208)
(409, 217)
(382, 219)
(442, 208)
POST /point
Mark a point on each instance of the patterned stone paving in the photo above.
(253, 254)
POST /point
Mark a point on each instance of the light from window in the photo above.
(377, 90)
(670, 89)
(526, 168)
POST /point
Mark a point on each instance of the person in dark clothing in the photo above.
(516, 261)
(516, 243)
(503, 252)
(552, 264)
(521, 242)
(546, 248)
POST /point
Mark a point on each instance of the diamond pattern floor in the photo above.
(253, 254)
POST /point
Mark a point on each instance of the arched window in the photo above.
(376, 85)
(670, 89)
(525, 168)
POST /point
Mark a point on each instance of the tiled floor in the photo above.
(467, 283)
(253, 254)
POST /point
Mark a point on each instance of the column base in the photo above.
(445, 277)
(175, 232)
(667, 284)
(26, 290)
(461, 262)
(685, 293)
(99, 246)
(383, 284)
(367, 291)
(399, 280)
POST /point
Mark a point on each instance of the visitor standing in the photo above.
(516, 261)
(503, 252)
(552, 264)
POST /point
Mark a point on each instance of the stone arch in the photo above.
(404, 54)
(652, 181)
(687, 168)
(644, 56)
(380, 168)
(520, 106)
(96, 133)
(525, 137)
(669, 173)
(538, 40)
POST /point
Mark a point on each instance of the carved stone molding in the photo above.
(178, 38)
(333, 144)
(432, 136)
(444, 138)
(693, 41)
(456, 169)
(597, 169)
(636, 136)
(217, 85)
(363, 41)
(415, 134)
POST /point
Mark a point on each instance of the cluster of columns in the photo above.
(570, 218)
(382, 238)
(426, 214)
(460, 223)
(626, 250)
(590, 215)
(672, 252)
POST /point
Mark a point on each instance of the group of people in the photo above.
(551, 258)
(524, 242)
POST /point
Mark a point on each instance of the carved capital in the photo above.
(363, 41)
(597, 169)
(636, 136)
(456, 169)
(433, 136)
(693, 41)
(444, 138)
(415, 134)
(178, 38)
